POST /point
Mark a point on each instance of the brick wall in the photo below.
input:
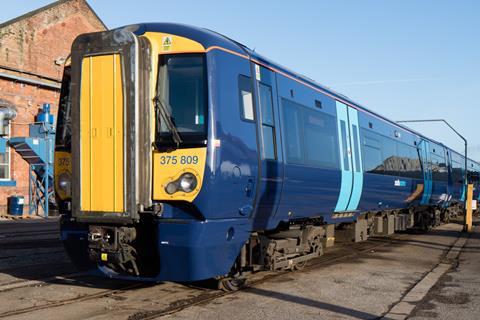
(34, 43)
(30, 47)
(28, 100)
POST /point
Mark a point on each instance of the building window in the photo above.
(5, 159)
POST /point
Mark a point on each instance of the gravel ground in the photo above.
(363, 286)
(457, 293)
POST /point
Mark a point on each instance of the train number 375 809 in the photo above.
(178, 160)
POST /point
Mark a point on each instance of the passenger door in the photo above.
(271, 162)
(424, 150)
(350, 159)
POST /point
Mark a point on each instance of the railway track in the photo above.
(326, 259)
(97, 295)
(30, 282)
(338, 254)
(17, 234)
(31, 244)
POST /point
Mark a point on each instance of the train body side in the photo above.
(279, 150)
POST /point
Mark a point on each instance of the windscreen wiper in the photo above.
(164, 113)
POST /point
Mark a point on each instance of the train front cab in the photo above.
(149, 118)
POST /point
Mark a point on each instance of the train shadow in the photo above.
(60, 271)
(285, 297)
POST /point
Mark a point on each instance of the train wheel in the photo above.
(231, 284)
(300, 265)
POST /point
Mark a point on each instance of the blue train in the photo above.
(183, 155)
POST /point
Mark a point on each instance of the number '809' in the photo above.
(178, 160)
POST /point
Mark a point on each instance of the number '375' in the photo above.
(176, 160)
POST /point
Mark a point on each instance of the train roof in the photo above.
(209, 38)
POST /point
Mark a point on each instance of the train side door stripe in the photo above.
(345, 166)
(427, 174)
(357, 165)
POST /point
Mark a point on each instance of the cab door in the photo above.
(271, 162)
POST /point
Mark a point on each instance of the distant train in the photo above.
(183, 155)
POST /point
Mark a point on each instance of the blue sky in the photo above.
(405, 59)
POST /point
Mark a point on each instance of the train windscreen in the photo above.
(64, 131)
(181, 100)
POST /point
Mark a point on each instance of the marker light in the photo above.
(65, 182)
(187, 182)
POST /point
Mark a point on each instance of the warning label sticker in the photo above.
(167, 43)
(257, 72)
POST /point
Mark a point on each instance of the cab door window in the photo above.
(268, 123)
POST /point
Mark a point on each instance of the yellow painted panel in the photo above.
(63, 167)
(178, 45)
(85, 128)
(468, 217)
(168, 43)
(101, 134)
(169, 166)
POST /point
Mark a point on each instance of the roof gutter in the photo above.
(40, 83)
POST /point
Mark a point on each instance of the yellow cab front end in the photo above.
(131, 135)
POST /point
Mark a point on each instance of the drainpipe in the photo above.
(7, 113)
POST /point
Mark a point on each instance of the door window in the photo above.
(343, 128)
(268, 127)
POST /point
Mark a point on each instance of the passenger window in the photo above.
(438, 167)
(416, 163)
(372, 161)
(355, 147)
(293, 133)
(390, 159)
(268, 126)
(320, 139)
(408, 162)
(346, 164)
(246, 98)
(372, 155)
(310, 136)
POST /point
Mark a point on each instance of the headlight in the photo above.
(65, 182)
(187, 182)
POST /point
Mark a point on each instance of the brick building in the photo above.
(33, 48)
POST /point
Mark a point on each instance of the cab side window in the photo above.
(246, 98)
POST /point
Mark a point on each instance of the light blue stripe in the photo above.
(427, 192)
(462, 198)
(357, 176)
(346, 185)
